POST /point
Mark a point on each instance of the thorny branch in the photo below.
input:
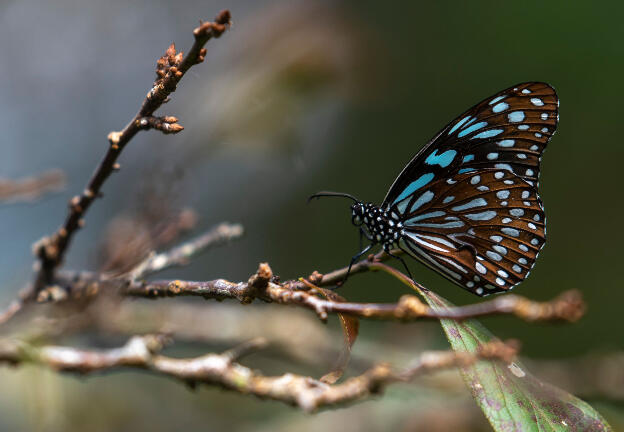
(142, 352)
(170, 70)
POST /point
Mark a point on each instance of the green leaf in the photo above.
(511, 398)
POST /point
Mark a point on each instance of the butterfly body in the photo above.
(381, 226)
(467, 205)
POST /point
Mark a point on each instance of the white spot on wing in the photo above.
(487, 215)
(424, 198)
(500, 249)
(480, 268)
(478, 202)
(418, 240)
(515, 369)
(503, 166)
(502, 194)
(493, 255)
(510, 231)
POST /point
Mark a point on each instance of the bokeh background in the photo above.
(302, 96)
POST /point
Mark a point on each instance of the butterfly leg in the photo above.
(387, 251)
(353, 260)
(361, 237)
(363, 234)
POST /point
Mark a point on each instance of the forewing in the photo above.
(482, 230)
(506, 131)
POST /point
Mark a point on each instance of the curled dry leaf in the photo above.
(350, 328)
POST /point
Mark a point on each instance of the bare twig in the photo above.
(14, 307)
(166, 124)
(180, 255)
(568, 306)
(221, 369)
(129, 239)
(170, 70)
(85, 284)
(31, 188)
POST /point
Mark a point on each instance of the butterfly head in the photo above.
(358, 210)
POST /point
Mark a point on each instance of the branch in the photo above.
(170, 70)
(14, 307)
(180, 255)
(222, 370)
(568, 306)
(31, 188)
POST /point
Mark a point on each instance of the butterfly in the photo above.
(467, 205)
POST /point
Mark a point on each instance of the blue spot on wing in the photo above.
(472, 128)
(477, 202)
(414, 186)
(423, 199)
(468, 158)
(458, 124)
(516, 116)
(483, 216)
(463, 170)
(496, 99)
(427, 216)
(500, 107)
(443, 159)
(457, 224)
(488, 134)
(504, 166)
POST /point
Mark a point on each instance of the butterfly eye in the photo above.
(357, 214)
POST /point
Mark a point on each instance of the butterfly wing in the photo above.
(507, 131)
(482, 230)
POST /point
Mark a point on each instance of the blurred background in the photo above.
(301, 96)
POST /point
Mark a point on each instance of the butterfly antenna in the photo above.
(332, 194)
